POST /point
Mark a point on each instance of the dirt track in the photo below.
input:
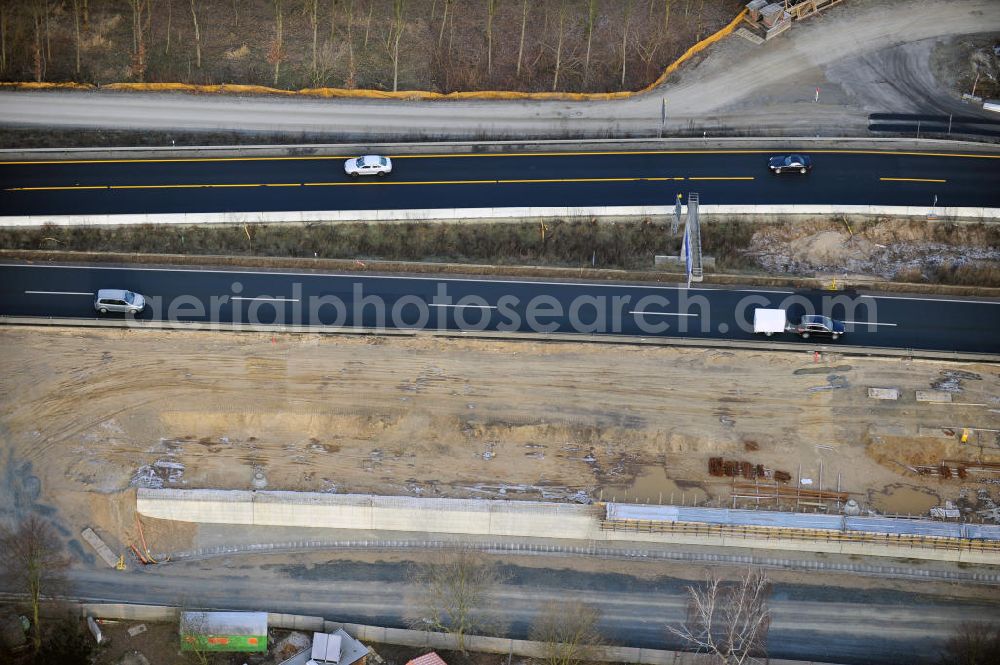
(86, 412)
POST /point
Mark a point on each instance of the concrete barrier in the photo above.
(296, 622)
(842, 350)
(100, 546)
(130, 612)
(461, 214)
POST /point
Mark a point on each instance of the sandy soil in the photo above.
(89, 413)
(884, 248)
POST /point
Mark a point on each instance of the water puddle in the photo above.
(904, 500)
(652, 486)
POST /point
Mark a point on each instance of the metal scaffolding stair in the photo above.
(691, 247)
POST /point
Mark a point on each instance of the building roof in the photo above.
(351, 650)
(427, 659)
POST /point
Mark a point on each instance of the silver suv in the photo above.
(119, 300)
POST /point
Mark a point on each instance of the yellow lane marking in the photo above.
(722, 178)
(205, 186)
(696, 152)
(264, 184)
(912, 180)
(400, 182)
(177, 160)
(506, 154)
(376, 182)
(48, 189)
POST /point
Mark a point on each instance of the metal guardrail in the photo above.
(768, 533)
(714, 557)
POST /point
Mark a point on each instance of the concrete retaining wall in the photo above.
(525, 519)
(444, 214)
(364, 512)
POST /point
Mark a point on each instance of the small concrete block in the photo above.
(936, 432)
(137, 630)
(99, 545)
(883, 393)
(933, 396)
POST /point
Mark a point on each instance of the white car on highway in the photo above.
(119, 300)
(368, 165)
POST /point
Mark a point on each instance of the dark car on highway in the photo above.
(790, 164)
(813, 325)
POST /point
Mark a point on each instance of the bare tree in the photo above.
(3, 36)
(368, 23)
(34, 565)
(140, 24)
(170, 16)
(48, 35)
(729, 621)
(974, 643)
(454, 592)
(559, 43)
(76, 25)
(444, 21)
(625, 26)
(591, 19)
(568, 631)
(393, 36)
(276, 53)
(197, 34)
(524, 23)
(38, 53)
(193, 629)
(351, 67)
(647, 48)
(312, 9)
(491, 10)
(333, 20)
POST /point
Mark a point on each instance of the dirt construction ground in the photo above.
(88, 413)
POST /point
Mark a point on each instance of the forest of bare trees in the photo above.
(438, 45)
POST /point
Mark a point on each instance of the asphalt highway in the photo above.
(847, 177)
(373, 301)
(860, 626)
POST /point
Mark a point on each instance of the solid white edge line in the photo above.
(661, 313)
(870, 323)
(353, 275)
(264, 298)
(750, 291)
(972, 302)
(367, 276)
(64, 293)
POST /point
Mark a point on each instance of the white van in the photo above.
(119, 300)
